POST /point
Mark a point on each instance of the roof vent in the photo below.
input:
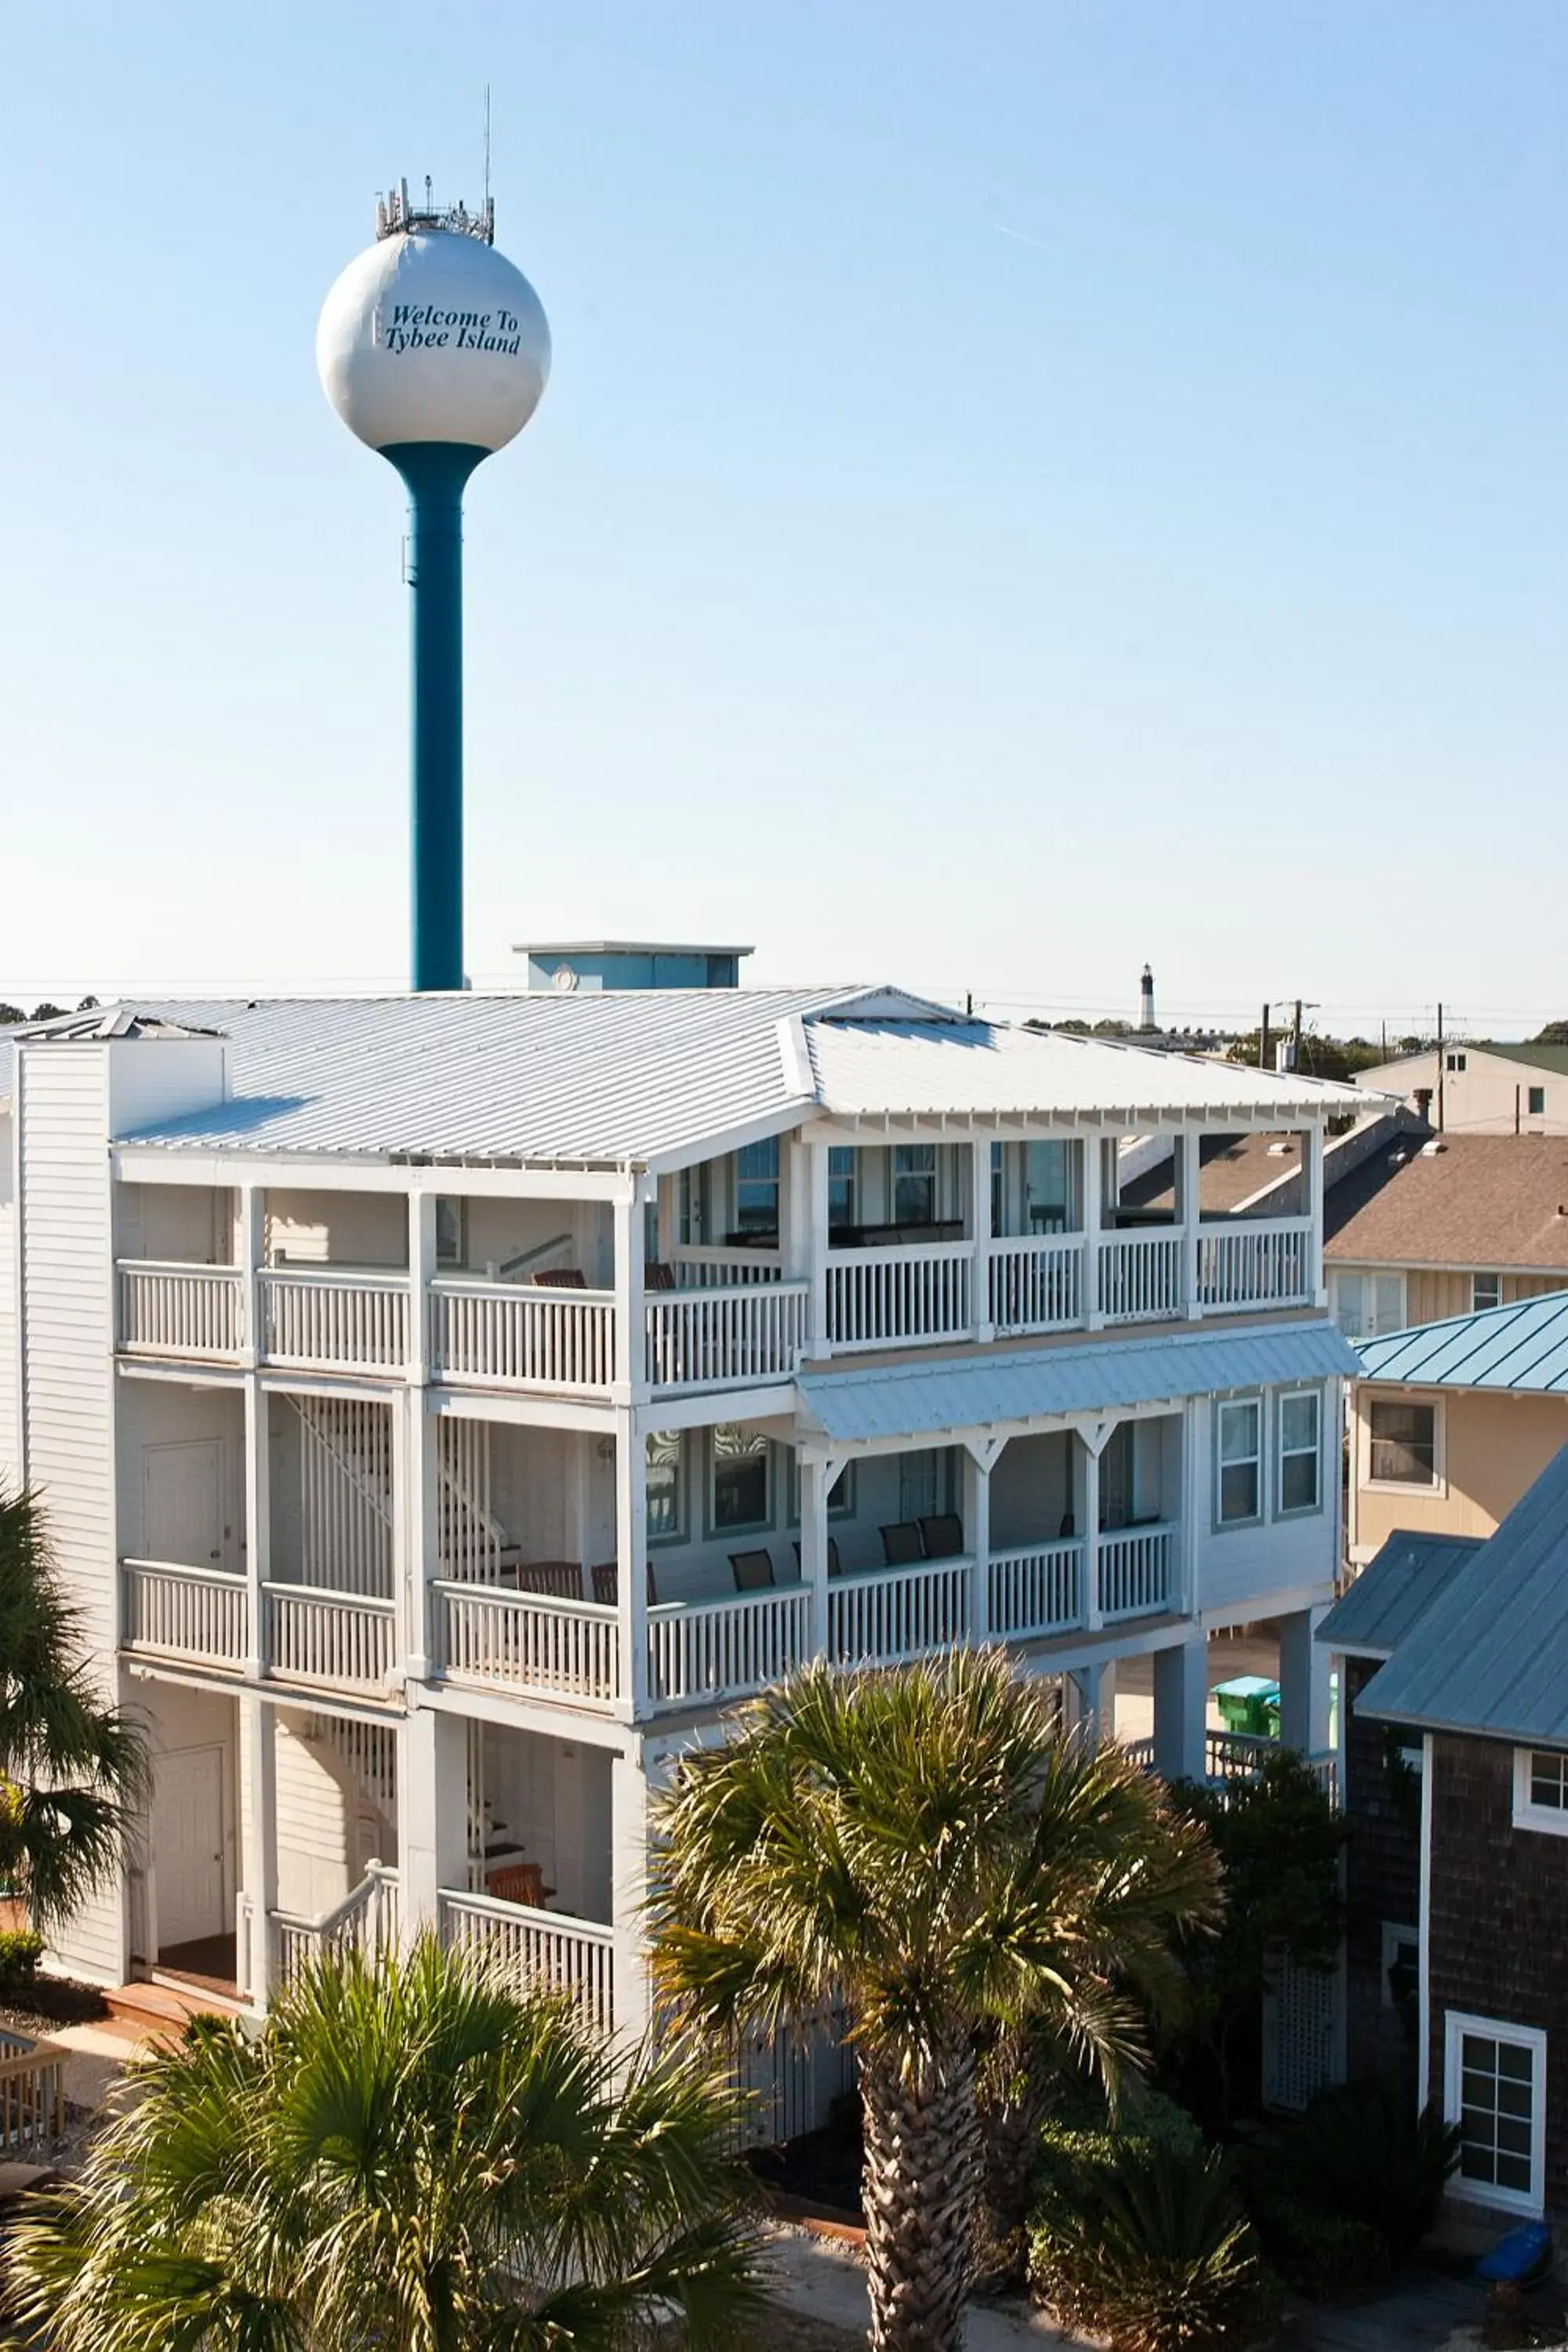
(1278, 1149)
(1430, 1150)
(1397, 1158)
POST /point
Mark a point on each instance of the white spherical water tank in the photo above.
(432, 335)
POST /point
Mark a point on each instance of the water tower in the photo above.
(433, 350)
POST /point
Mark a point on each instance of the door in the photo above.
(188, 1845)
(183, 1503)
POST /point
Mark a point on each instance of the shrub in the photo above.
(1362, 2152)
(1332, 2257)
(20, 1951)
(1156, 2253)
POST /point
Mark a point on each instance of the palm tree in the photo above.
(926, 1846)
(72, 1770)
(410, 2157)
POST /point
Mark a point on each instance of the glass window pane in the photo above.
(1239, 1491)
(1299, 1483)
(739, 1477)
(1299, 1422)
(1515, 2060)
(841, 1186)
(914, 1183)
(1513, 2172)
(1237, 1432)
(666, 1498)
(1403, 1442)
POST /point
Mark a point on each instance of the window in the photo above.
(1404, 1443)
(1536, 1104)
(1240, 1482)
(1486, 1290)
(1494, 2083)
(738, 1496)
(451, 1232)
(841, 1187)
(1456, 1062)
(666, 1455)
(757, 1189)
(925, 1482)
(1301, 1484)
(914, 1183)
(1368, 1304)
(1401, 1966)
(840, 1494)
(692, 1214)
(1541, 1790)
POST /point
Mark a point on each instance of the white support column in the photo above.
(1317, 1280)
(978, 1457)
(628, 1882)
(815, 1477)
(421, 1274)
(631, 1382)
(1186, 1152)
(1181, 1708)
(1096, 1697)
(819, 1342)
(416, 1519)
(250, 1235)
(1093, 1212)
(1086, 1510)
(631, 1554)
(252, 1232)
(432, 1814)
(979, 1239)
(1303, 1683)
(258, 1731)
(669, 1212)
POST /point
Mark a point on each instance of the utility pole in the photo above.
(1441, 1105)
(1263, 1040)
(1296, 1038)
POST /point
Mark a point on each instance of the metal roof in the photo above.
(981, 1068)
(1490, 1654)
(1394, 1591)
(637, 1077)
(1524, 1347)
(626, 947)
(1028, 1384)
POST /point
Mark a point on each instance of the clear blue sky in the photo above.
(1023, 488)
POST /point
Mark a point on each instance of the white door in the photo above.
(183, 1503)
(188, 1845)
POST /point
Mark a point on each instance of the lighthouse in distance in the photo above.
(433, 350)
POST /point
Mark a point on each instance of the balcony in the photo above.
(536, 1948)
(192, 1616)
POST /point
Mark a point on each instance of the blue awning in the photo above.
(860, 1404)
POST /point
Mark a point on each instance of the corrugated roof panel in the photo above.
(1490, 1654)
(907, 1400)
(1522, 1347)
(1394, 1591)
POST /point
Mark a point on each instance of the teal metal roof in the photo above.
(1490, 1654)
(1393, 1592)
(1523, 1347)
(1028, 1384)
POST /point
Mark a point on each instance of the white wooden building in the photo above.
(445, 1406)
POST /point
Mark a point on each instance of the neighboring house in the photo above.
(1451, 1422)
(1473, 1686)
(1481, 1089)
(1426, 1228)
(444, 1407)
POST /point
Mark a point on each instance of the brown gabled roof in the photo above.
(1477, 1201)
(1231, 1168)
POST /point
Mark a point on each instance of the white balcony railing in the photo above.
(1036, 1283)
(536, 1949)
(365, 1920)
(722, 1648)
(1140, 1276)
(342, 1641)
(1135, 1572)
(1248, 1262)
(920, 1290)
(530, 1640)
(700, 1266)
(508, 1337)
(1038, 1590)
(893, 1614)
(717, 1338)
(195, 1614)
(180, 1311)
(332, 1318)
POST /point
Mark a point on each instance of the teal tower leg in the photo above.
(435, 474)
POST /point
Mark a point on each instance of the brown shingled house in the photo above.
(1423, 1231)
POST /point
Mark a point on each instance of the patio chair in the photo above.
(752, 1571)
(657, 1275)
(561, 1578)
(1068, 1528)
(901, 1544)
(561, 1277)
(833, 1567)
(517, 1882)
(943, 1535)
(606, 1583)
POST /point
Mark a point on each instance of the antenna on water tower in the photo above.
(435, 352)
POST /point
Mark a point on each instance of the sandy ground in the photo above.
(822, 2284)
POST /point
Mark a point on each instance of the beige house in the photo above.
(1451, 1423)
(1481, 1089)
(1428, 1228)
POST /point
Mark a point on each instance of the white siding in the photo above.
(341, 1228)
(1249, 1567)
(10, 1428)
(66, 1307)
(316, 1823)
